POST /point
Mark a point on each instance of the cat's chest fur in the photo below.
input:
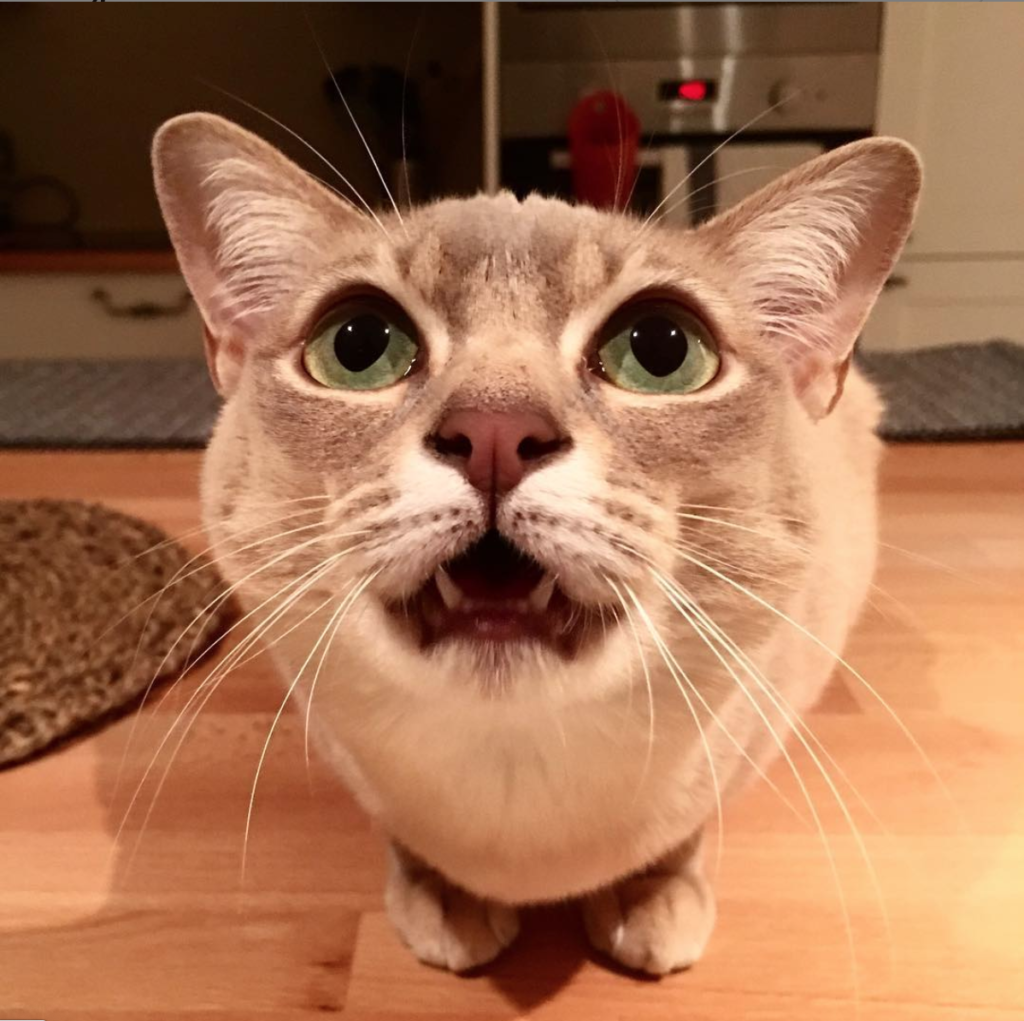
(521, 804)
(524, 805)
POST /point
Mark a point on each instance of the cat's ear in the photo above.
(248, 226)
(813, 250)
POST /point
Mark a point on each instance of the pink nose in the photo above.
(495, 449)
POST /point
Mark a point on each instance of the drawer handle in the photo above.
(141, 309)
(895, 282)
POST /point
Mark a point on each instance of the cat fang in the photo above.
(494, 597)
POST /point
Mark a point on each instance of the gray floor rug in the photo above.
(141, 403)
(957, 392)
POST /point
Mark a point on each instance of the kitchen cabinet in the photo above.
(951, 78)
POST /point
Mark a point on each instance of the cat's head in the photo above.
(482, 420)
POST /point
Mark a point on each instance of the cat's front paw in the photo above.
(658, 921)
(441, 924)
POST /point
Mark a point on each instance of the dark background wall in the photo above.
(83, 87)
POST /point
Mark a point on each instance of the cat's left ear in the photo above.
(813, 250)
(248, 225)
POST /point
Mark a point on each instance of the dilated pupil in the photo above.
(361, 341)
(658, 344)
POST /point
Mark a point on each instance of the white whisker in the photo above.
(355, 123)
(176, 579)
(647, 682)
(685, 545)
(224, 596)
(337, 617)
(789, 715)
(711, 155)
(405, 86)
(804, 790)
(792, 544)
(677, 672)
(713, 184)
(208, 688)
(171, 540)
(327, 648)
(839, 659)
(316, 152)
(300, 585)
(674, 665)
(618, 112)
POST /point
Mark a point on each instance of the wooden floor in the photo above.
(161, 926)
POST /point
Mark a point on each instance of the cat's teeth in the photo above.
(468, 605)
(454, 599)
(450, 592)
(541, 595)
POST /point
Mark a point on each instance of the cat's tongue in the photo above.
(493, 570)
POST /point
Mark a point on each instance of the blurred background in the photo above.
(614, 104)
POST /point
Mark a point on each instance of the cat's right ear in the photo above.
(812, 251)
(248, 225)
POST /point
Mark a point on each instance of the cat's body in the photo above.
(573, 746)
(521, 802)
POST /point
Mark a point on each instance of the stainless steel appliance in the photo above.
(797, 78)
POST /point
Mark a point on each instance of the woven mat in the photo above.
(956, 392)
(82, 632)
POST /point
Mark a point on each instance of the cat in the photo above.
(570, 513)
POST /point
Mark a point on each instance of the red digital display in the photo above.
(694, 90)
(690, 90)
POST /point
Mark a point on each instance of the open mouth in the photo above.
(495, 593)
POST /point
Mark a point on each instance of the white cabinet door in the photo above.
(951, 83)
(952, 78)
(948, 302)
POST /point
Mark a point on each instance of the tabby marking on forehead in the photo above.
(420, 264)
(487, 260)
(590, 269)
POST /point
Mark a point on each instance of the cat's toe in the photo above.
(652, 925)
(447, 927)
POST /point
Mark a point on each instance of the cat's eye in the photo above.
(365, 344)
(656, 347)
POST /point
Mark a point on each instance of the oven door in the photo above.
(683, 183)
(688, 184)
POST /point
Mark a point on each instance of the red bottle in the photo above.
(604, 136)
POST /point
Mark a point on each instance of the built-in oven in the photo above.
(783, 81)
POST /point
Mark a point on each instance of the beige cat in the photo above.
(553, 477)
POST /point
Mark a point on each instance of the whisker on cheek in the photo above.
(330, 627)
(354, 592)
(705, 630)
(647, 683)
(299, 586)
(875, 694)
(677, 674)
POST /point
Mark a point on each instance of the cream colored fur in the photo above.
(535, 778)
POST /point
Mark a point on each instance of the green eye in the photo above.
(657, 348)
(363, 346)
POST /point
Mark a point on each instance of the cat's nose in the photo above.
(495, 449)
